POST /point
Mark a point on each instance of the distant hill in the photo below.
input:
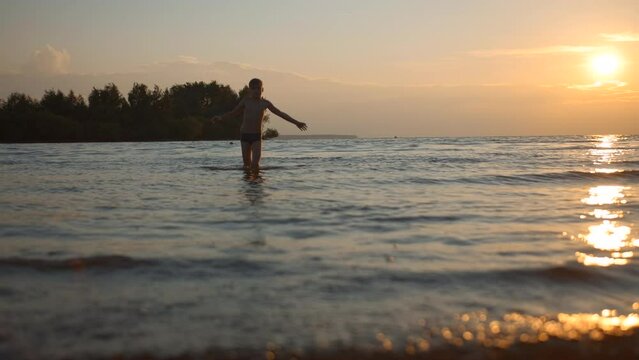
(321, 136)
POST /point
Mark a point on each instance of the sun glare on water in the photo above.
(605, 64)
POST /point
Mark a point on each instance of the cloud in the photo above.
(48, 61)
(188, 59)
(600, 85)
(621, 37)
(534, 51)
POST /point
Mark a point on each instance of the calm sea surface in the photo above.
(401, 245)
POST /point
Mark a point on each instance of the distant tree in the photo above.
(16, 117)
(60, 117)
(270, 134)
(243, 92)
(150, 112)
(144, 100)
(106, 103)
(20, 103)
(24, 119)
(201, 99)
(70, 105)
(140, 98)
(45, 126)
(106, 114)
(188, 128)
(182, 112)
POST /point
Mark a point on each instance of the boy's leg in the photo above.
(256, 148)
(246, 153)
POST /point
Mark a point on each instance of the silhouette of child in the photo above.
(254, 106)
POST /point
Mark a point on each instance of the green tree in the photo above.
(70, 105)
(23, 119)
(182, 112)
(16, 116)
(202, 101)
(270, 134)
(106, 114)
(20, 103)
(188, 128)
(45, 126)
(149, 113)
(107, 103)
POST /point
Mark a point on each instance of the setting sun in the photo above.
(605, 64)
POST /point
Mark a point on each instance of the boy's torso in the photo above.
(253, 115)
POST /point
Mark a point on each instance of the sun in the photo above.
(605, 64)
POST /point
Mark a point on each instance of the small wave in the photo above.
(550, 177)
(620, 174)
(313, 158)
(572, 147)
(557, 273)
(429, 181)
(262, 168)
(565, 273)
(456, 160)
(570, 175)
(221, 168)
(627, 162)
(531, 178)
(423, 218)
(188, 267)
(101, 261)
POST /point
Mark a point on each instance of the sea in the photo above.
(439, 247)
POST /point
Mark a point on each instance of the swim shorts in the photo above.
(251, 137)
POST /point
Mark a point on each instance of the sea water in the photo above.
(396, 244)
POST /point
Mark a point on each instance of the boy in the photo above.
(254, 107)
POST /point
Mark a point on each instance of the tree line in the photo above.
(181, 112)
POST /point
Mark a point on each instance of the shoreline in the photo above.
(313, 137)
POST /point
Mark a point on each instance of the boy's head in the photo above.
(255, 86)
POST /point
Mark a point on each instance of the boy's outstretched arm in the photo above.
(235, 112)
(302, 126)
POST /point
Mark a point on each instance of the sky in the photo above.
(370, 68)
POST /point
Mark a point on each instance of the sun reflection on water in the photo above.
(478, 327)
(605, 195)
(606, 171)
(610, 237)
(607, 141)
(607, 236)
(604, 151)
(602, 261)
(606, 214)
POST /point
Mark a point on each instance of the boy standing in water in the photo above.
(254, 107)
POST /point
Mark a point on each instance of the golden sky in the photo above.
(565, 59)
